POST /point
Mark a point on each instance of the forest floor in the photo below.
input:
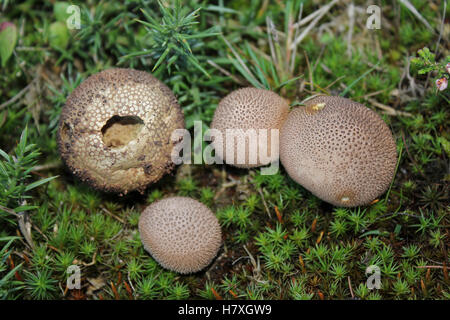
(279, 241)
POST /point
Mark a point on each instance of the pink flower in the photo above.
(448, 67)
(442, 83)
(5, 25)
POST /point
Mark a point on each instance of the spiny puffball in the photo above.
(181, 233)
(115, 129)
(244, 109)
(338, 149)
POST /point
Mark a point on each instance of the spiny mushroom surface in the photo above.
(244, 109)
(338, 149)
(181, 233)
(115, 130)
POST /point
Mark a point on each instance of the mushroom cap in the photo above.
(338, 149)
(115, 129)
(181, 233)
(249, 108)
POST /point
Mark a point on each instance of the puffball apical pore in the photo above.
(115, 128)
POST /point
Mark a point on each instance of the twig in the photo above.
(317, 86)
(225, 72)
(311, 97)
(322, 50)
(250, 256)
(87, 264)
(25, 228)
(378, 48)
(350, 287)
(131, 284)
(332, 83)
(10, 211)
(22, 48)
(224, 187)
(270, 32)
(411, 80)
(112, 215)
(256, 266)
(116, 235)
(305, 32)
(40, 232)
(17, 96)
(264, 202)
(441, 29)
(311, 83)
(297, 28)
(308, 18)
(414, 11)
(47, 166)
(325, 68)
(398, 213)
(371, 94)
(25, 225)
(243, 257)
(389, 110)
(351, 25)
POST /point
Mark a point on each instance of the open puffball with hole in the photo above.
(181, 233)
(249, 109)
(338, 149)
(115, 129)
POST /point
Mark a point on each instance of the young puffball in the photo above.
(181, 233)
(338, 149)
(249, 109)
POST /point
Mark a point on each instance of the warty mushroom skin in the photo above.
(338, 149)
(115, 128)
(249, 108)
(181, 233)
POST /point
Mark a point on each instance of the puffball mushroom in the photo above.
(115, 129)
(245, 109)
(338, 149)
(181, 233)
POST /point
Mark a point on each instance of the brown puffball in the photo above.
(244, 109)
(115, 128)
(181, 233)
(338, 149)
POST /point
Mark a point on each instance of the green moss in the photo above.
(280, 241)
